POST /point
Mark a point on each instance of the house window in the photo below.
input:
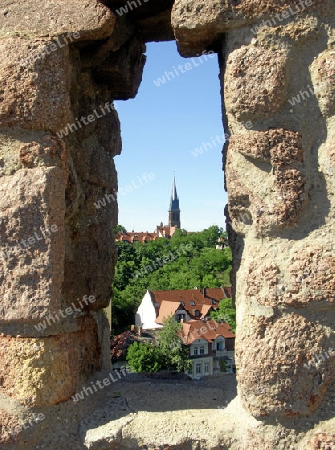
(195, 351)
(206, 367)
(196, 313)
(202, 350)
(220, 346)
(198, 368)
(192, 303)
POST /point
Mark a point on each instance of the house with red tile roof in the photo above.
(189, 304)
(134, 237)
(211, 344)
(119, 346)
(186, 305)
(211, 347)
(217, 294)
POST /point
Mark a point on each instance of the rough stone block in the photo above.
(323, 77)
(34, 86)
(250, 92)
(287, 385)
(274, 163)
(32, 204)
(122, 70)
(46, 371)
(92, 20)
(200, 25)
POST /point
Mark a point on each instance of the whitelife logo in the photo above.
(32, 240)
(26, 425)
(75, 126)
(58, 43)
(89, 390)
(183, 68)
(127, 190)
(166, 259)
(63, 313)
(279, 17)
(303, 95)
(131, 5)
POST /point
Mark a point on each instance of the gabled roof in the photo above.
(208, 330)
(166, 309)
(218, 293)
(166, 230)
(191, 300)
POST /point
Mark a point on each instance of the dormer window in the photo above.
(156, 305)
(192, 303)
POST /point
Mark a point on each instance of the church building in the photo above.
(174, 215)
(166, 231)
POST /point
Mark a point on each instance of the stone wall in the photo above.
(55, 162)
(277, 62)
(63, 63)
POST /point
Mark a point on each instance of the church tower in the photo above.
(174, 211)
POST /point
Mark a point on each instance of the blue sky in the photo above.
(160, 128)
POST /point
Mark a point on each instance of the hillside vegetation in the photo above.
(185, 261)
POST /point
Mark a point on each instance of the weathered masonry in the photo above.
(63, 63)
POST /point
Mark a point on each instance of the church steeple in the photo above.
(174, 211)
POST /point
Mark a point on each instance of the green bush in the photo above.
(169, 354)
(225, 313)
(143, 357)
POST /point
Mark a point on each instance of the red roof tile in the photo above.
(120, 343)
(218, 293)
(192, 300)
(166, 310)
(136, 237)
(208, 330)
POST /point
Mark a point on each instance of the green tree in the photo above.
(142, 266)
(225, 313)
(144, 357)
(170, 353)
(176, 354)
(119, 229)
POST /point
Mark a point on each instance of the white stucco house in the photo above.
(146, 314)
(211, 344)
(188, 304)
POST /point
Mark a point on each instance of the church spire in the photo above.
(174, 203)
(174, 211)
